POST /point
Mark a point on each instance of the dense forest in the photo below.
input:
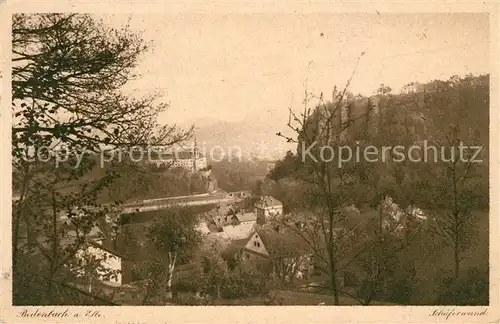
(239, 174)
(444, 260)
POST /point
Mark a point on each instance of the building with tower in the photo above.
(189, 159)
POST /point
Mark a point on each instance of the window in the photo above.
(136, 274)
(258, 244)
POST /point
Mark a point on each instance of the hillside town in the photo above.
(153, 166)
(241, 226)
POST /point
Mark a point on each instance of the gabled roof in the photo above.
(222, 210)
(71, 237)
(281, 244)
(246, 217)
(234, 247)
(108, 249)
(235, 232)
(268, 201)
(93, 238)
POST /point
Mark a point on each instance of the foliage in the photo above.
(445, 193)
(173, 230)
(67, 104)
(173, 239)
(453, 188)
(244, 284)
(237, 175)
(471, 288)
(64, 62)
(138, 184)
(31, 285)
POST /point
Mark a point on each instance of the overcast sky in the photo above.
(237, 67)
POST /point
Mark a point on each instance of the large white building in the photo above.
(191, 160)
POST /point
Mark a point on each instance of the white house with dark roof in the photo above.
(235, 232)
(101, 257)
(245, 218)
(97, 260)
(282, 254)
(238, 227)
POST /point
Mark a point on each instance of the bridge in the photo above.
(214, 198)
(218, 197)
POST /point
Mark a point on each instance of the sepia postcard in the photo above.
(249, 162)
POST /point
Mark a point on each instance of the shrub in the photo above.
(244, 284)
(401, 291)
(471, 288)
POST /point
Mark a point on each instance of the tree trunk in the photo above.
(335, 290)
(17, 220)
(145, 298)
(371, 290)
(376, 257)
(50, 285)
(15, 241)
(90, 280)
(333, 282)
(50, 290)
(168, 290)
(456, 257)
(170, 272)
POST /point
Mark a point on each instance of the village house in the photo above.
(99, 260)
(236, 232)
(96, 262)
(231, 223)
(243, 218)
(109, 262)
(280, 254)
(268, 207)
(233, 227)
